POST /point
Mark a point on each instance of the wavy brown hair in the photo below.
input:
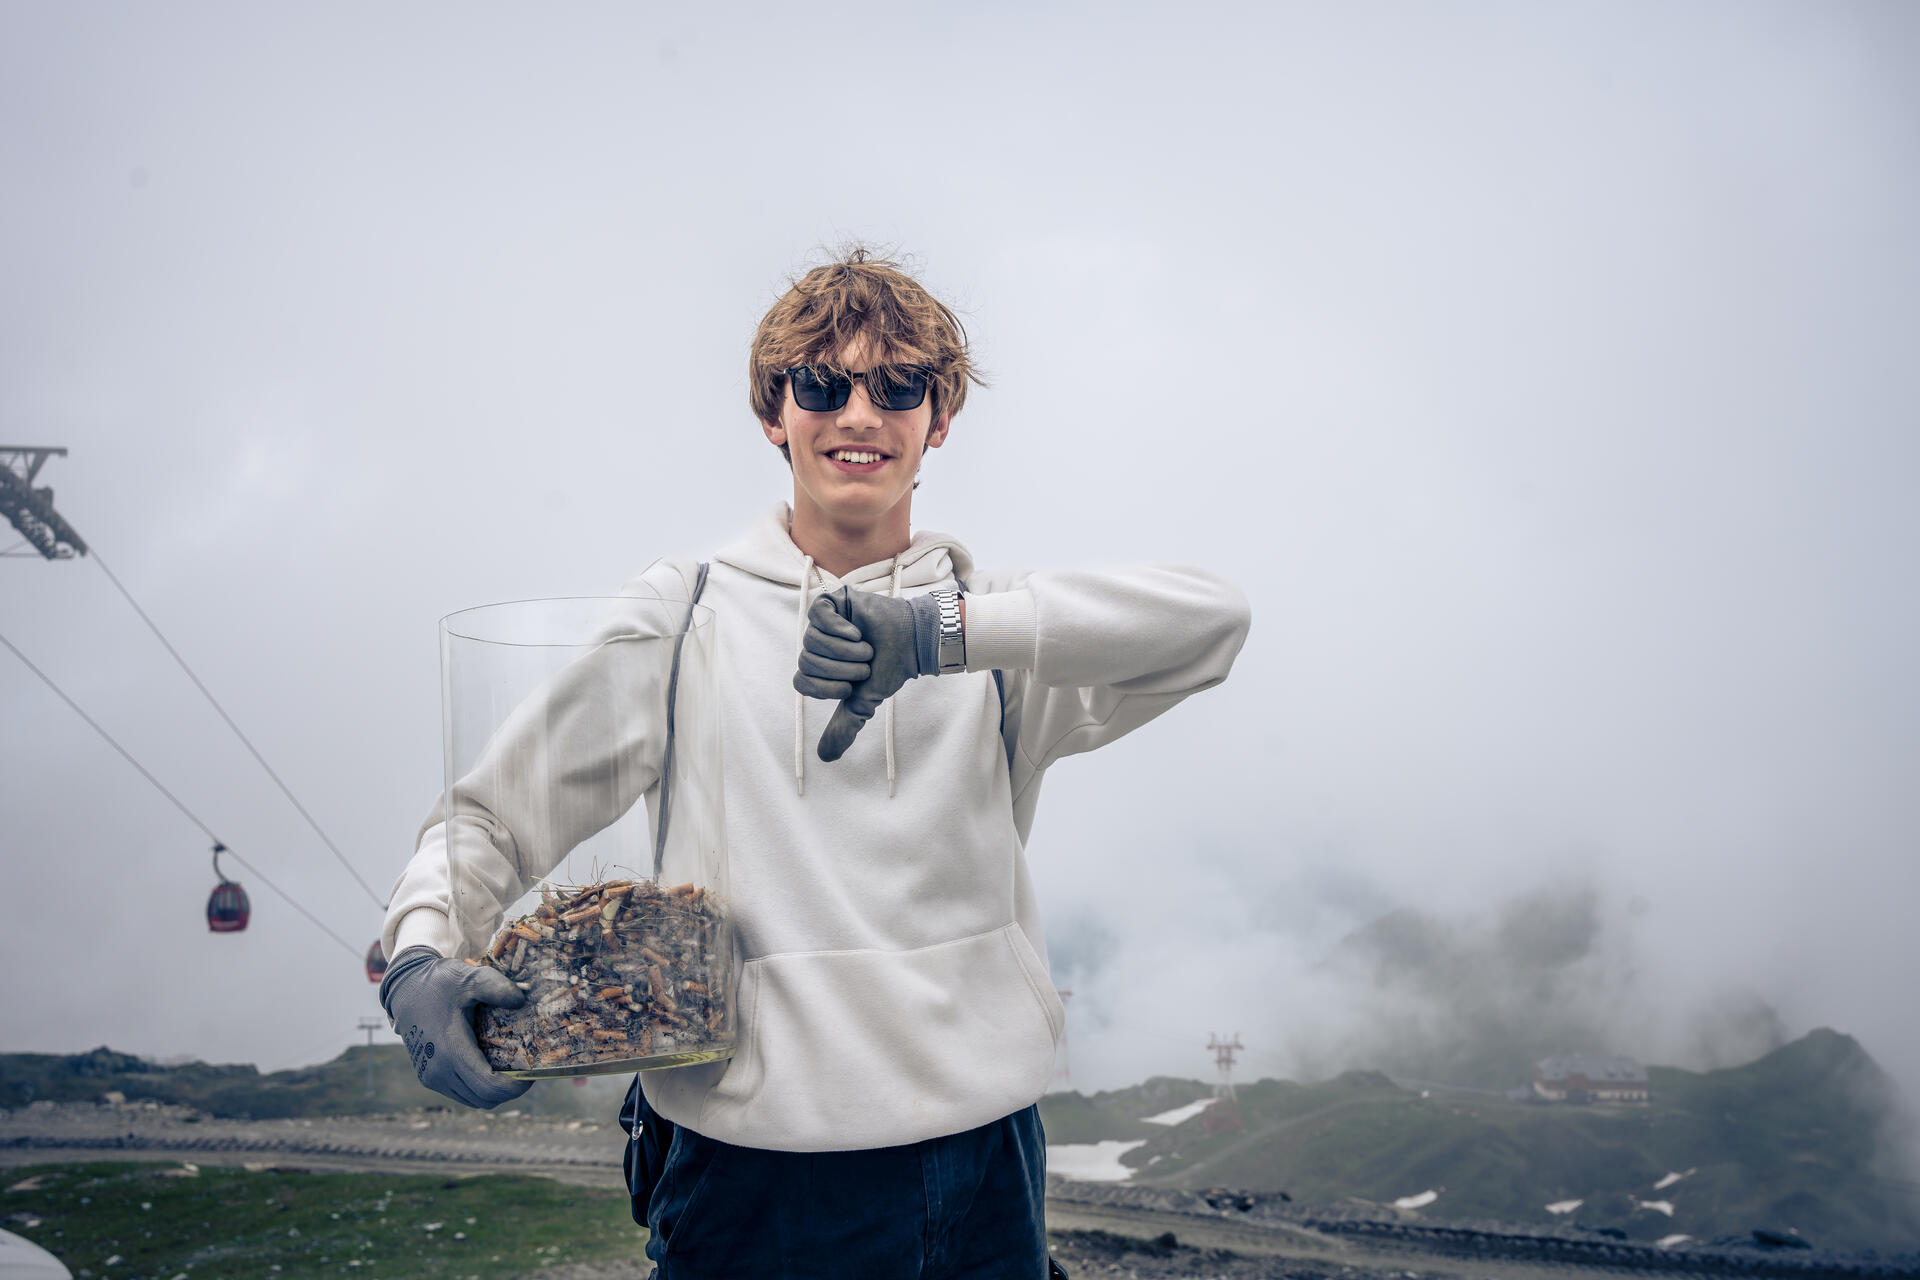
(858, 295)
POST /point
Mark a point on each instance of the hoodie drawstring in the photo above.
(800, 699)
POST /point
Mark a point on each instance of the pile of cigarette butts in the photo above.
(614, 972)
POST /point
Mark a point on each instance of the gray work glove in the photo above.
(431, 999)
(861, 648)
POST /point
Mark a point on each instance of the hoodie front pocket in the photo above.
(874, 1048)
(1036, 971)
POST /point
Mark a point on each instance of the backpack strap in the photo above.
(666, 758)
(1000, 687)
(650, 1134)
(649, 1141)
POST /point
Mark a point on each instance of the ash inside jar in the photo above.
(614, 971)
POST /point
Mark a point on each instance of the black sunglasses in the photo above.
(889, 386)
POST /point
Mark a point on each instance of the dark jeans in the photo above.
(969, 1206)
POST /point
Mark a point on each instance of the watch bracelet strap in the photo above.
(952, 655)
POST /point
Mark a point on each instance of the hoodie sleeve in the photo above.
(568, 761)
(1095, 655)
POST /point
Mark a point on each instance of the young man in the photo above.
(896, 1019)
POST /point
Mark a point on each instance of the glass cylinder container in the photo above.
(560, 716)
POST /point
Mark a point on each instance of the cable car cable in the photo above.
(287, 791)
(177, 802)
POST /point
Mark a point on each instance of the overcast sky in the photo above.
(1536, 370)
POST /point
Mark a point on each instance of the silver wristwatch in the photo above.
(952, 654)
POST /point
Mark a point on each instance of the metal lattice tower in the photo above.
(1224, 1114)
(371, 1025)
(30, 510)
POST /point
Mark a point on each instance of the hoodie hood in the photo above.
(767, 551)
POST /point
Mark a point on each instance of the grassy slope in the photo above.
(230, 1222)
(1792, 1140)
(1076, 1117)
(336, 1088)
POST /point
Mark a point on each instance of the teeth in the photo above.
(854, 456)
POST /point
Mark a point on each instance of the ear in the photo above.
(776, 432)
(937, 436)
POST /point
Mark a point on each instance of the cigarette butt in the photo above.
(609, 993)
(654, 956)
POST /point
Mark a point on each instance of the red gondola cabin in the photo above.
(227, 906)
(376, 962)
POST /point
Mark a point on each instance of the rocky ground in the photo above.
(1096, 1256)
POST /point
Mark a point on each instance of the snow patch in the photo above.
(1091, 1161)
(1658, 1206)
(1668, 1242)
(1564, 1206)
(1669, 1180)
(1420, 1201)
(1180, 1115)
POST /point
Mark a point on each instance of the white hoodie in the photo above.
(895, 984)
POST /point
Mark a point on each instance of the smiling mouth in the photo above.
(857, 457)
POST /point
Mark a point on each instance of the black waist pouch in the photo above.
(649, 1138)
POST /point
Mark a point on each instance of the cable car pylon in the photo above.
(30, 510)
